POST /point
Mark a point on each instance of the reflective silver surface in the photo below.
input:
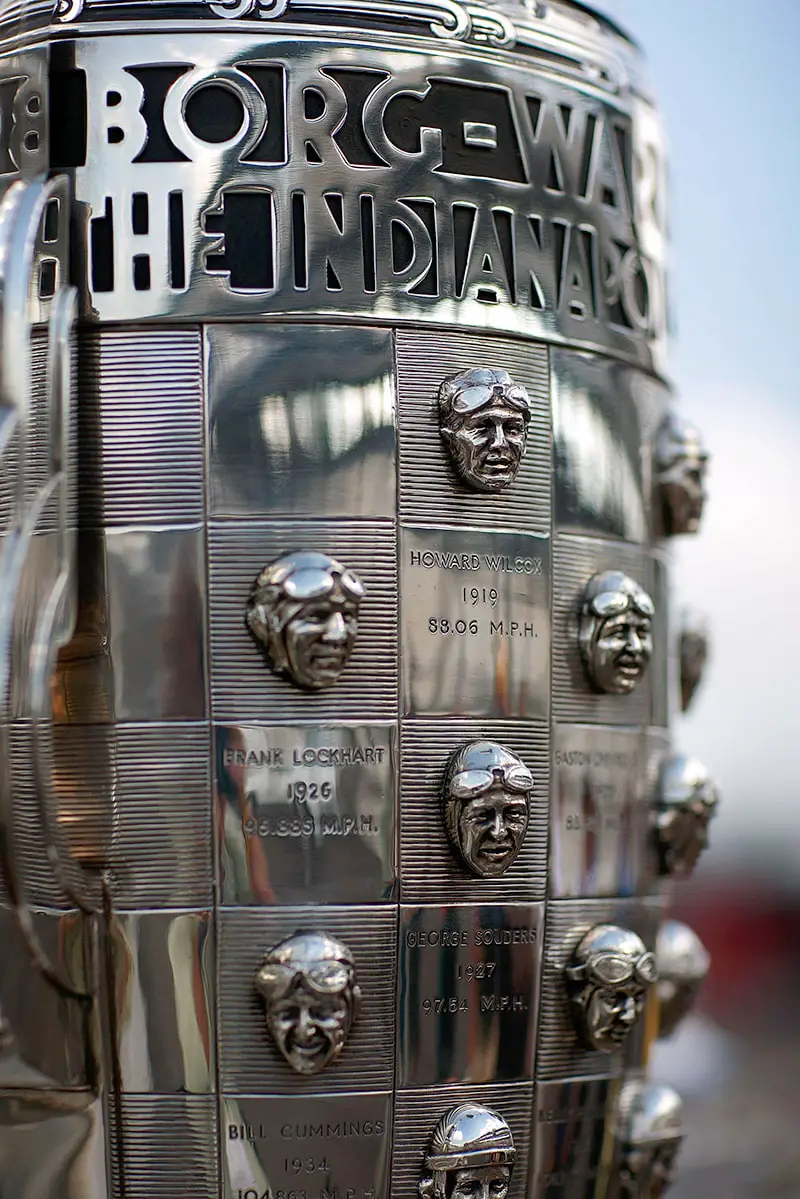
(332, 733)
(650, 1133)
(683, 964)
(687, 802)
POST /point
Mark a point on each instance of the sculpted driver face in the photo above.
(486, 1182)
(487, 802)
(304, 611)
(616, 632)
(484, 420)
(610, 975)
(681, 463)
(687, 803)
(471, 1156)
(651, 1135)
(309, 987)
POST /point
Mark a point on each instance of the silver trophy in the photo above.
(338, 809)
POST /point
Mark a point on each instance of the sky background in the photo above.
(727, 78)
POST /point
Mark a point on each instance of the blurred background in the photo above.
(725, 72)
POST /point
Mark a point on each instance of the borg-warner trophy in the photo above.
(338, 812)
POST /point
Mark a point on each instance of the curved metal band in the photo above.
(24, 678)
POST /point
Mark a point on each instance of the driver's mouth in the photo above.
(309, 1048)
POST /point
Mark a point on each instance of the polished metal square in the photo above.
(600, 813)
(301, 420)
(317, 1145)
(475, 623)
(575, 1155)
(469, 993)
(163, 1002)
(306, 813)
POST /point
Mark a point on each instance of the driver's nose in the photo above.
(628, 1013)
(634, 641)
(499, 437)
(305, 1025)
(498, 826)
(335, 627)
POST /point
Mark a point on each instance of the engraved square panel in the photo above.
(141, 420)
(49, 1031)
(599, 488)
(163, 980)
(319, 1146)
(469, 993)
(476, 623)
(306, 813)
(560, 1054)
(142, 656)
(243, 685)
(418, 1112)
(575, 561)
(138, 799)
(429, 871)
(169, 1147)
(600, 812)
(430, 490)
(573, 1155)
(301, 420)
(249, 1062)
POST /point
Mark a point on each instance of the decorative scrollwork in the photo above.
(68, 10)
(492, 27)
(268, 10)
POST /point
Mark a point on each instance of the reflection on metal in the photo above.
(683, 963)
(608, 980)
(693, 650)
(681, 463)
(649, 1134)
(687, 801)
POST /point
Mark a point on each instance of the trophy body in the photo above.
(353, 737)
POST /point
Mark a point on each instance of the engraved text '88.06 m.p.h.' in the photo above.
(336, 775)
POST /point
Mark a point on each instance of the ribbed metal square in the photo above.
(170, 1147)
(417, 1113)
(141, 426)
(430, 491)
(575, 561)
(243, 686)
(560, 1054)
(429, 872)
(249, 1062)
